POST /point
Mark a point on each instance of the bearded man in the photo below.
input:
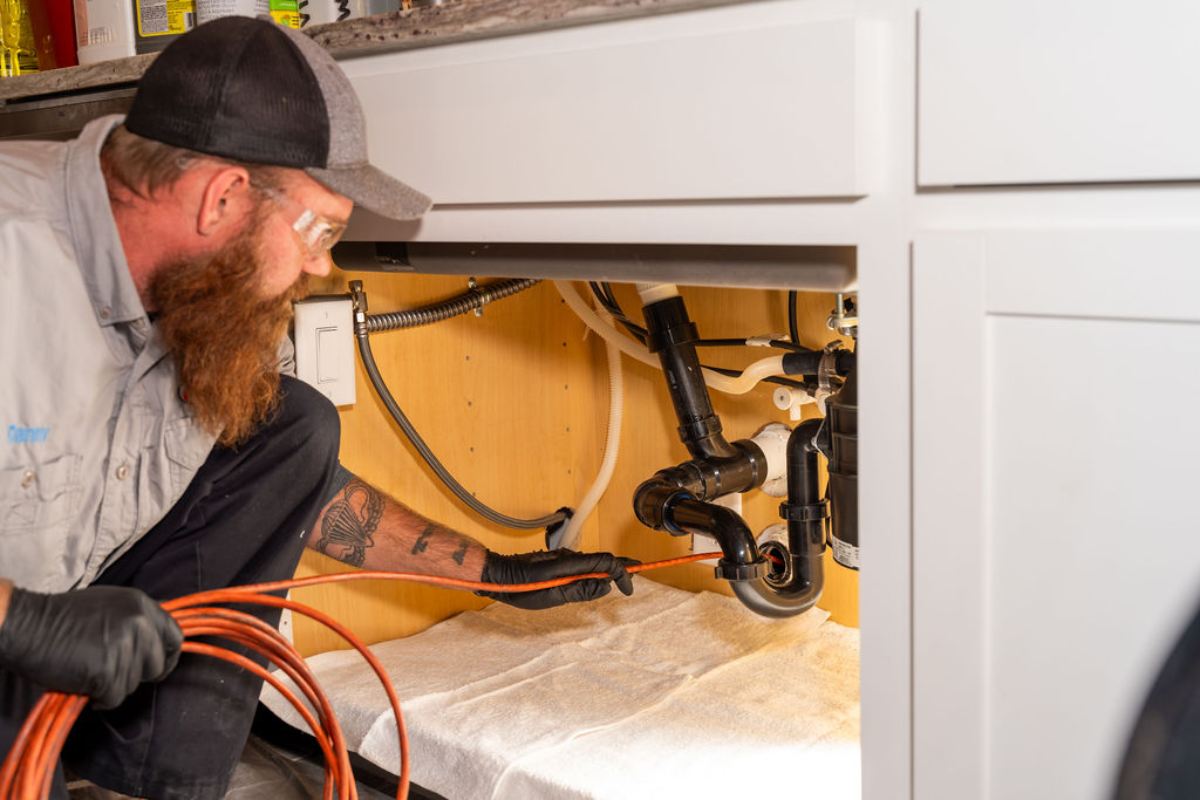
(152, 447)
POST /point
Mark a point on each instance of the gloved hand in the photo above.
(102, 641)
(545, 566)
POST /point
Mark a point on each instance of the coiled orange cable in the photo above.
(28, 770)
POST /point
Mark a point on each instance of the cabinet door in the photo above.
(1029, 91)
(1055, 550)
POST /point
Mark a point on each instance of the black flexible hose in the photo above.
(793, 322)
(368, 359)
(445, 309)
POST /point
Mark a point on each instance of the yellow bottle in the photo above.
(157, 23)
(17, 54)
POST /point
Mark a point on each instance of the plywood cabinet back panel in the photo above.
(515, 404)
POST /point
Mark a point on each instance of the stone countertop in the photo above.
(453, 21)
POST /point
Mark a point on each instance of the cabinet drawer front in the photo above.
(769, 111)
(1029, 92)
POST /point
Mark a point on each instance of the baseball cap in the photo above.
(254, 91)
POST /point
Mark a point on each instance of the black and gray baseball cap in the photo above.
(253, 91)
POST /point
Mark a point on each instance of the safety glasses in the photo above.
(317, 233)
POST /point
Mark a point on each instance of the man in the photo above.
(152, 448)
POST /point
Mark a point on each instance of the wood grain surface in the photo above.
(515, 403)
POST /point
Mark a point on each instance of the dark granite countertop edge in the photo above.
(452, 22)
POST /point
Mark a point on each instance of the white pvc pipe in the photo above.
(612, 445)
(750, 377)
(653, 292)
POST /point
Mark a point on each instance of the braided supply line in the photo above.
(28, 769)
(445, 309)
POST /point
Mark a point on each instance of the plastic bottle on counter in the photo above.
(286, 12)
(207, 10)
(105, 30)
(18, 46)
(54, 33)
(319, 12)
(160, 22)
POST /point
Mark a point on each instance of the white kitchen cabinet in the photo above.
(1055, 555)
(1070, 91)
(736, 106)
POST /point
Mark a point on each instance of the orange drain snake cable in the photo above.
(28, 769)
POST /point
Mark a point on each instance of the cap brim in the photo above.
(374, 190)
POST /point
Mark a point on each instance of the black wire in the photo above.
(368, 360)
(793, 323)
(638, 331)
(606, 298)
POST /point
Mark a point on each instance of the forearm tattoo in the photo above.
(422, 543)
(349, 523)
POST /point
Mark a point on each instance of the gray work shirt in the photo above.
(96, 444)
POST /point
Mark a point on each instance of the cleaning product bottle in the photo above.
(17, 43)
(286, 12)
(54, 33)
(212, 9)
(160, 22)
(319, 12)
(105, 30)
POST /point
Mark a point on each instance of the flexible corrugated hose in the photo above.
(445, 309)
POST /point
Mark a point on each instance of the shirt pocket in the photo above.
(40, 539)
(187, 447)
(39, 495)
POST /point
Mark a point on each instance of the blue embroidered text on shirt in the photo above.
(20, 435)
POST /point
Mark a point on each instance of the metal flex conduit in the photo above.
(423, 316)
(454, 307)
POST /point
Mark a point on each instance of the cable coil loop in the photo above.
(28, 769)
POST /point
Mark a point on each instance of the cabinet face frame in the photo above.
(976, 298)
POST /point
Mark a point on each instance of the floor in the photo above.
(275, 771)
(266, 771)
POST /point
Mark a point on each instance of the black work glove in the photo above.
(102, 641)
(546, 566)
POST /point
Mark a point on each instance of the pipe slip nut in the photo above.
(731, 571)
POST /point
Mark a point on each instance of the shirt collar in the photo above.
(94, 231)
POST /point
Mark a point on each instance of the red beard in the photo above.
(224, 336)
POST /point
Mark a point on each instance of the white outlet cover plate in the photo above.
(325, 346)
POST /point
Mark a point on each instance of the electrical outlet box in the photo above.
(325, 346)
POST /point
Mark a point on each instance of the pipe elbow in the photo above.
(653, 501)
(803, 437)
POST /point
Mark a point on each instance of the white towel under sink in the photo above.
(663, 694)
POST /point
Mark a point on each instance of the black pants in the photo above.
(243, 519)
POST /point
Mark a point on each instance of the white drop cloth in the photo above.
(664, 694)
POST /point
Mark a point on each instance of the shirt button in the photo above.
(105, 312)
(27, 478)
(122, 472)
